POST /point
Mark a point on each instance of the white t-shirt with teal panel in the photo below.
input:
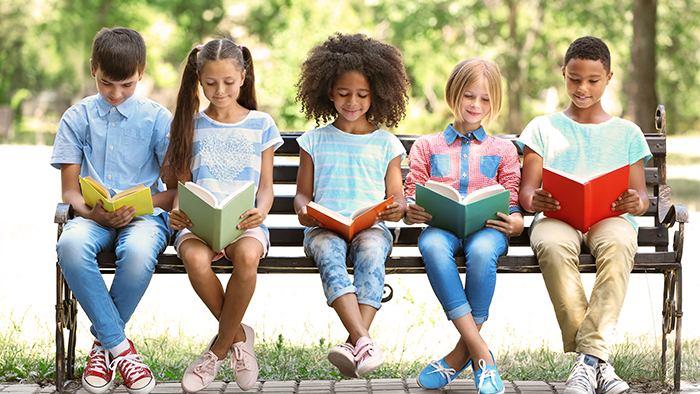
(349, 169)
(227, 155)
(585, 149)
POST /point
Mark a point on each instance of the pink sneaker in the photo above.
(98, 376)
(202, 371)
(243, 361)
(343, 357)
(368, 355)
(138, 378)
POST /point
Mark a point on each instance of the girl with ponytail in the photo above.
(222, 148)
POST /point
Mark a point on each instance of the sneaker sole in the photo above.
(96, 390)
(145, 389)
(345, 365)
(616, 389)
(368, 368)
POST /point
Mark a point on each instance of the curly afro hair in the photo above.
(589, 48)
(380, 63)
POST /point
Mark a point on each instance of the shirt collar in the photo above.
(125, 108)
(451, 134)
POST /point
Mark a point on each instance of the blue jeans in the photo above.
(367, 251)
(137, 245)
(482, 249)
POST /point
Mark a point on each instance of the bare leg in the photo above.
(352, 316)
(196, 256)
(476, 346)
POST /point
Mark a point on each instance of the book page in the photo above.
(330, 213)
(127, 192)
(235, 194)
(202, 193)
(100, 188)
(444, 189)
(484, 192)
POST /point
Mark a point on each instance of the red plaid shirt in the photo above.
(467, 163)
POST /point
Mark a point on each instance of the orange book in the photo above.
(362, 218)
(584, 202)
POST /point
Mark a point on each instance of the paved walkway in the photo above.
(355, 386)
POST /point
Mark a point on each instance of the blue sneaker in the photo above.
(487, 379)
(438, 374)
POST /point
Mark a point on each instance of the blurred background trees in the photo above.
(45, 49)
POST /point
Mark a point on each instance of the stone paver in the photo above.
(352, 386)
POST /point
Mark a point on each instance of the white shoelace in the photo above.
(446, 373)
(98, 360)
(581, 375)
(242, 357)
(134, 369)
(486, 373)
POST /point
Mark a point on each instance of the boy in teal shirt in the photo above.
(584, 140)
(119, 140)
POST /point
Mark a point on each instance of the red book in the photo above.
(585, 202)
(362, 218)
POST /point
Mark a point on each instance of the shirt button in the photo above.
(109, 176)
(464, 175)
(465, 156)
(114, 124)
(111, 148)
(114, 108)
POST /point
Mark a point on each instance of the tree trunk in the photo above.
(643, 98)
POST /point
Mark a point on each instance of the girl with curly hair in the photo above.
(356, 83)
(222, 148)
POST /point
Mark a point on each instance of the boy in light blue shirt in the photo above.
(119, 140)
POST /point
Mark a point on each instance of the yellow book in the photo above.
(138, 197)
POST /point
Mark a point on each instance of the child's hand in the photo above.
(629, 201)
(117, 219)
(178, 220)
(511, 226)
(416, 214)
(307, 220)
(542, 201)
(254, 219)
(392, 213)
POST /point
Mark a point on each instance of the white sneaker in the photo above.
(582, 376)
(343, 357)
(202, 371)
(608, 381)
(243, 361)
(369, 356)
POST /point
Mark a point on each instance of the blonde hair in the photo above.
(468, 73)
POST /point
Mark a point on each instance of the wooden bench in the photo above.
(654, 257)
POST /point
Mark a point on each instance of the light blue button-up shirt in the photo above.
(120, 146)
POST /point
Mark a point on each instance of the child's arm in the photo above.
(635, 199)
(71, 194)
(305, 189)
(532, 197)
(394, 187)
(178, 219)
(165, 199)
(264, 196)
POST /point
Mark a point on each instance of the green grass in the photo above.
(681, 159)
(168, 354)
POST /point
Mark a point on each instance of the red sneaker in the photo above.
(98, 375)
(138, 378)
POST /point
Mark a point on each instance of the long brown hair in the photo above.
(179, 155)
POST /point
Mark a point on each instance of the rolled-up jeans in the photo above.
(482, 249)
(137, 245)
(586, 325)
(367, 251)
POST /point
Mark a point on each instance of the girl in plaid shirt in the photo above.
(466, 158)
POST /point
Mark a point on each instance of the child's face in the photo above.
(586, 81)
(221, 82)
(115, 92)
(351, 96)
(475, 105)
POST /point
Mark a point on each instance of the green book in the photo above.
(215, 221)
(460, 216)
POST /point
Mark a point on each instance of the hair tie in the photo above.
(199, 48)
(240, 47)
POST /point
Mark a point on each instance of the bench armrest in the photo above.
(669, 214)
(64, 213)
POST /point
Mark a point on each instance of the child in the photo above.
(221, 148)
(585, 140)
(120, 140)
(466, 158)
(357, 82)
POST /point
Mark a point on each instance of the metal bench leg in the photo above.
(66, 312)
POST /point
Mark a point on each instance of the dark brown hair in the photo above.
(589, 48)
(179, 152)
(119, 53)
(380, 63)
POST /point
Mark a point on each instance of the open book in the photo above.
(585, 201)
(361, 219)
(138, 197)
(215, 221)
(460, 216)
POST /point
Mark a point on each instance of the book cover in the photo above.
(138, 197)
(464, 217)
(585, 202)
(360, 219)
(215, 221)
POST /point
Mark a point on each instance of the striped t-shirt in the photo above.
(349, 169)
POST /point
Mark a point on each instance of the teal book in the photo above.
(460, 216)
(215, 221)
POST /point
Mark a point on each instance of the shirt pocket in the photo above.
(137, 147)
(440, 166)
(488, 165)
